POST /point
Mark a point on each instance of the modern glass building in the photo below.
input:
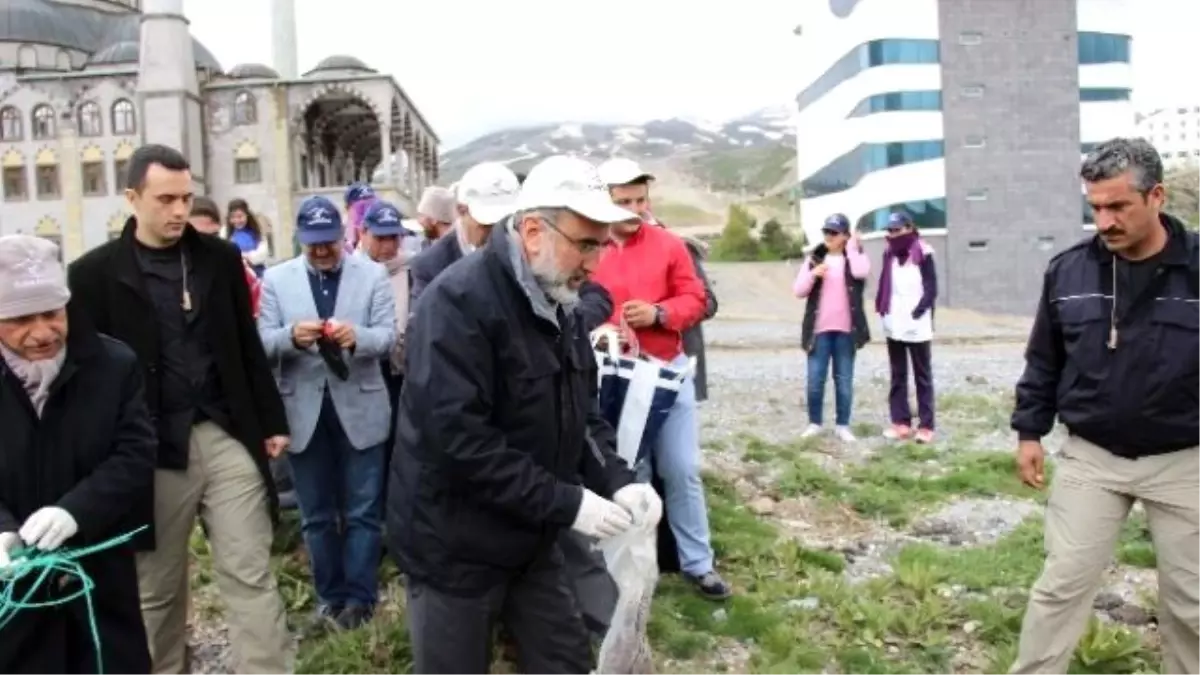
(951, 110)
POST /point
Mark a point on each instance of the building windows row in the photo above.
(869, 55)
(1093, 48)
(89, 121)
(844, 172)
(931, 99)
(929, 214)
(1103, 48)
(47, 182)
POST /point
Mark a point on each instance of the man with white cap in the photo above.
(658, 295)
(486, 195)
(498, 426)
(77, 456)
(435, 213)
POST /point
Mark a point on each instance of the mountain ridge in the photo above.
(700, 166)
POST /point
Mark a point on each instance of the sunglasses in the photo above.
(831, 233)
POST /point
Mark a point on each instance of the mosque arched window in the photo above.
(245, 110)
(124, 118)
(43, 123)
(10, 124)
(89, 120)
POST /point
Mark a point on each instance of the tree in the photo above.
(778, 243)
(736, 242)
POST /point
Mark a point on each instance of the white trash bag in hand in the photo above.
(632, 561)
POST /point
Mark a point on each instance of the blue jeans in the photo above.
(839, 348)
(677, 462)
(340, 490)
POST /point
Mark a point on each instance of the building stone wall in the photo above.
(1010, 77)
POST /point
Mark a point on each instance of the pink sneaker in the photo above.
(898, 432)
(924, 436)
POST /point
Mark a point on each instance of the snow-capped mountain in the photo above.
(520, 148)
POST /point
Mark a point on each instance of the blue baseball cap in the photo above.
(358, 191)
(838, 222)
(899, 220)
(383, 219)
(318, 222)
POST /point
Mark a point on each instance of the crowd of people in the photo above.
(447, 356)
(429, 381)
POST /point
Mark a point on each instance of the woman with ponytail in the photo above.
(905, 299)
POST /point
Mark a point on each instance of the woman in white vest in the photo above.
(905, 299)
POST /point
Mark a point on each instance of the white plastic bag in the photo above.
(632, 561)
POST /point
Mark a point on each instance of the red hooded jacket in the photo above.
(654, 266)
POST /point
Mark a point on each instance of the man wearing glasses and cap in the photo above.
(327, 319)
(487, 194)
(498, 427)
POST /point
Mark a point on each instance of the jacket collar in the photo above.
(1175, 254)
(129, 271)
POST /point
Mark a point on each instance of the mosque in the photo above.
(85, 82)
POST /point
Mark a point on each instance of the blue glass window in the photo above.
(868, 55)
(929, 214)
(1103, 48)
(1105, 94)
(844, 172)
(930, 99)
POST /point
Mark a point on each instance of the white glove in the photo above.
(48, 528)
(643, 502)
(9, 542)
(599, 517)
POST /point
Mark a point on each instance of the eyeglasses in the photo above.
(830, 233)
(586, 245)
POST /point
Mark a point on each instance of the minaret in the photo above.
(283, 38)
(168, 89)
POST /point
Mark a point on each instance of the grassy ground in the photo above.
(940, 609)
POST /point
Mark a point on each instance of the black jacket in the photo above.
(498, 426)
(1138, 399)
(858, 316)
(693, 338)
(92, 454)
(429, 263)
(107, 285)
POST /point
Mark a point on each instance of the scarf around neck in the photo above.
(905, 249)
(35, 376)
(397, 269)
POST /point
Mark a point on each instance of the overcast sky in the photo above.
(473, 66)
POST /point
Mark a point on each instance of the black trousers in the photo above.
(394, 384)
(454, 634)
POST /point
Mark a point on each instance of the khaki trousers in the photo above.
(1091, 496)
(223, 487)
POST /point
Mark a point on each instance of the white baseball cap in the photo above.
(489, 191)
(574, 184)
(622, 171)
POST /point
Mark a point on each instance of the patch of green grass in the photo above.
(1135, 547)
(895, 483)
(793, 610)
(684, 215)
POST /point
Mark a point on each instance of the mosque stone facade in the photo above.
(78, 94)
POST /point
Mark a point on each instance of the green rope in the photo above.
(46, 566)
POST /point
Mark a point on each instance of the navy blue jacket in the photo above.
(1139, 398)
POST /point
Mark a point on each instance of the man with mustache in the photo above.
(498, 427)
(1114, 353)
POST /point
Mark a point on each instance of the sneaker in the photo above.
(898, 432)
(844, 434)
(354, 616)
(924, 436)
(811, 430)
(323, 620)
(711, 586)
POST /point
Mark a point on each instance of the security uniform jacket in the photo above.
(498, 425)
